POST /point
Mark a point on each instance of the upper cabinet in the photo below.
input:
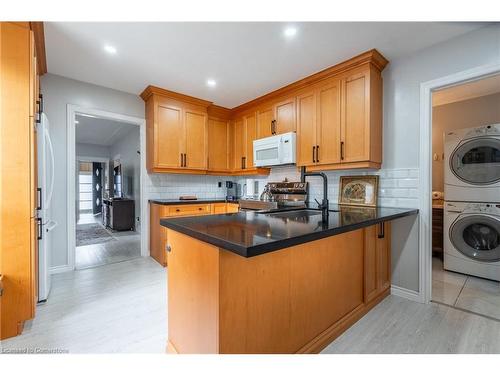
(344, 130)
(337, 114)
(176, 132)
(284, 117)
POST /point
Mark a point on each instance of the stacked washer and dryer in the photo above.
(472, 201)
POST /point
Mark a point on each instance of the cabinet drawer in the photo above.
(189, 209)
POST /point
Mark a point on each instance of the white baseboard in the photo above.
(60, 269)
(406, 293)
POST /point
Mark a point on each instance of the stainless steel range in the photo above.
(278, 195)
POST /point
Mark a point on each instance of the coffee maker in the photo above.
(233, 191)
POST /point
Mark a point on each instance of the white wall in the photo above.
(58, 92)
(464, 114)
(127, 147)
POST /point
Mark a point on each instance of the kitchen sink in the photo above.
(296, 214)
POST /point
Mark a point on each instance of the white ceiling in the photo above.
(471, 90)
(246, 59)
(100, 131)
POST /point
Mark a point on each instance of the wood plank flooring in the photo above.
(122, 307)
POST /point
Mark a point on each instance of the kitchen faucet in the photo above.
(323, 206)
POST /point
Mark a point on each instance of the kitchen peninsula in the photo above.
(275, 282)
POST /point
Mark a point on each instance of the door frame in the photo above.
(425, 163)
(72, 111)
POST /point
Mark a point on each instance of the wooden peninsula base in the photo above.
(294, 300)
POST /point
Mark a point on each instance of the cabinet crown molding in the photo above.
(153, 90)
(372, 56)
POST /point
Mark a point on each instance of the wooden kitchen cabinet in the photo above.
(377, 260)
(348, 124)
(176, 132)
(244, 133)
(218, 145)
(20, 226)
(158, 234)
(284, 116)
(265, 118)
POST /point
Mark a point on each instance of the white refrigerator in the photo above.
(45, 190)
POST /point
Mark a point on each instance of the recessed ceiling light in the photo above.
(290, 32)
(110, 49)
(211, 83)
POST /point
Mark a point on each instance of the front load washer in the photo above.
(472, 238)
(472, 164)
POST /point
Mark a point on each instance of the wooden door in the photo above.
(239, 143)
(306, 129)
(157, 233)
(328, 124)
(284, 114)
(265, 118)
(218, 145)
(355, 129)
(251, 135)
(370, 264)
(196, 139)
(169, 137)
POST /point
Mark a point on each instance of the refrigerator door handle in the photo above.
(52, 166)
(39, 228)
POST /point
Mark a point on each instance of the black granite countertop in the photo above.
(249, 233)
(168, 202)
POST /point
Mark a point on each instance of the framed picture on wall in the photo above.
(358, 190)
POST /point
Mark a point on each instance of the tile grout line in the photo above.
(459, 293)
(467, 311)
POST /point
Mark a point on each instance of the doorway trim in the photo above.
(72, 111)
(425, 162)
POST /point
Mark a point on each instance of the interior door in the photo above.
(264, 122)
(196, 139)
(306, 129)
(328, 124)
(218, 142)
(477, 161)
(355, 129)
(169, 137)
(96, 188)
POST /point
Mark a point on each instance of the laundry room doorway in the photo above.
(465, 190)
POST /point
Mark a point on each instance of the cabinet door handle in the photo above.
(185, 160)
(244, 162)
(182, 160)
(177, 210)
(381, 230)
(39, 198)
(317, 154)
(169, 248)
(342, 150)
(314, 153)
(273, 127)
(39, 228)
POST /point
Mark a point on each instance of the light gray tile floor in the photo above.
(466, 292)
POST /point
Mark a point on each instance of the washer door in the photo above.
(477, 161)
(477, 237)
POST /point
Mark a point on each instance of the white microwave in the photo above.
(276, 150)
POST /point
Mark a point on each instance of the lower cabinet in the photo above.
(377, 260)
(158, 234)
